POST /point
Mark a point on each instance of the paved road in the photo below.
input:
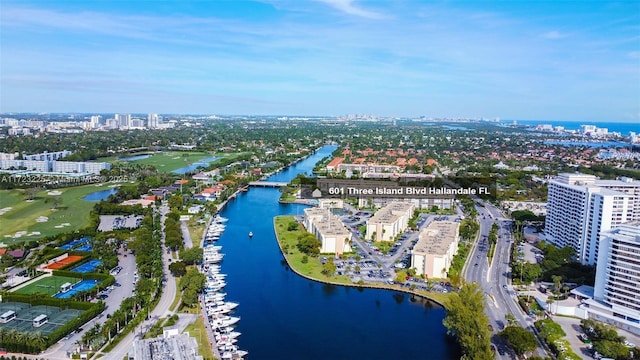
(161, 310)
(494, 278)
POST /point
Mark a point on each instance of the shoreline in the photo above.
(360, 286)
(221, 206)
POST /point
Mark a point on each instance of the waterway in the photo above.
(193, 167)
(135, 158)
(100, 195)
(284, 316)
(591, 144)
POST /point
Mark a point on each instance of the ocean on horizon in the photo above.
(623, 128)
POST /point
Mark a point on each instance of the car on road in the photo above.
(504, 286)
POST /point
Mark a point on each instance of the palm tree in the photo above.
(40, 341)
(20, 341)
(549, 302)
(11, 339)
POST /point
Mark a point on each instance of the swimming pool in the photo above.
(89, 266)
(81, 286)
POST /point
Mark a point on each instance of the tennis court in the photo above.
(49, 285)
(64, 262)
(25, 314)
(86, 247)
(89, 266)
(70, 245)
(81, 286)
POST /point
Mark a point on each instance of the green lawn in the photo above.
(288, 239)
(169, 161)
(198, 331)
(49, 285)
(71, 214)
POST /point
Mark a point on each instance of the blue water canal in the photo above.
(284, 316)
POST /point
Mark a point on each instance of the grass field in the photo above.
(19, 215)
(49, 285)
(169, 161)
(289, 239)
(198, 331)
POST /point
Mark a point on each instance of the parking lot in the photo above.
(112, 297)
(370, 265)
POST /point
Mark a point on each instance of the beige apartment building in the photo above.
(433, 253)
(335, 237)
(389, 221)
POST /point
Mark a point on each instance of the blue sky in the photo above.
(553, 60)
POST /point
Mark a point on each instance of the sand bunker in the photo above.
(54, 192)
(42, 219)
(5, 210)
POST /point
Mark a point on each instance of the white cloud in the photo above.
(348, 7)
(554, 35)
(634, 54)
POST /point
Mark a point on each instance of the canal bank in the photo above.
(295, 266)
(285, 316)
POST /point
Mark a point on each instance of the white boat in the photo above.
(234, 353)
(224, 330)
(216, 282)
(211, 301)
(224, 320)
(216, 276)
(215, 297)
(229, 348)
(220, 220)
(213, 257)
(223, 304)
(214, 311)
(215, 288)
(250, 233)
(231, 335)
(231, 305)
(226, 342)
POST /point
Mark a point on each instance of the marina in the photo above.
(216, 310)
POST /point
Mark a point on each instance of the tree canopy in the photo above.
(520, 339)
(467, 321)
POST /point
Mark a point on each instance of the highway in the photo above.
(495, 277)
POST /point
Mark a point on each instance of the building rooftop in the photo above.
(391, 212)
(437, 237)
(177, 347)
(629, 231)
(326, 223)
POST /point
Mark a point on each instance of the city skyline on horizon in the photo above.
(359, 116)
(566, 61)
